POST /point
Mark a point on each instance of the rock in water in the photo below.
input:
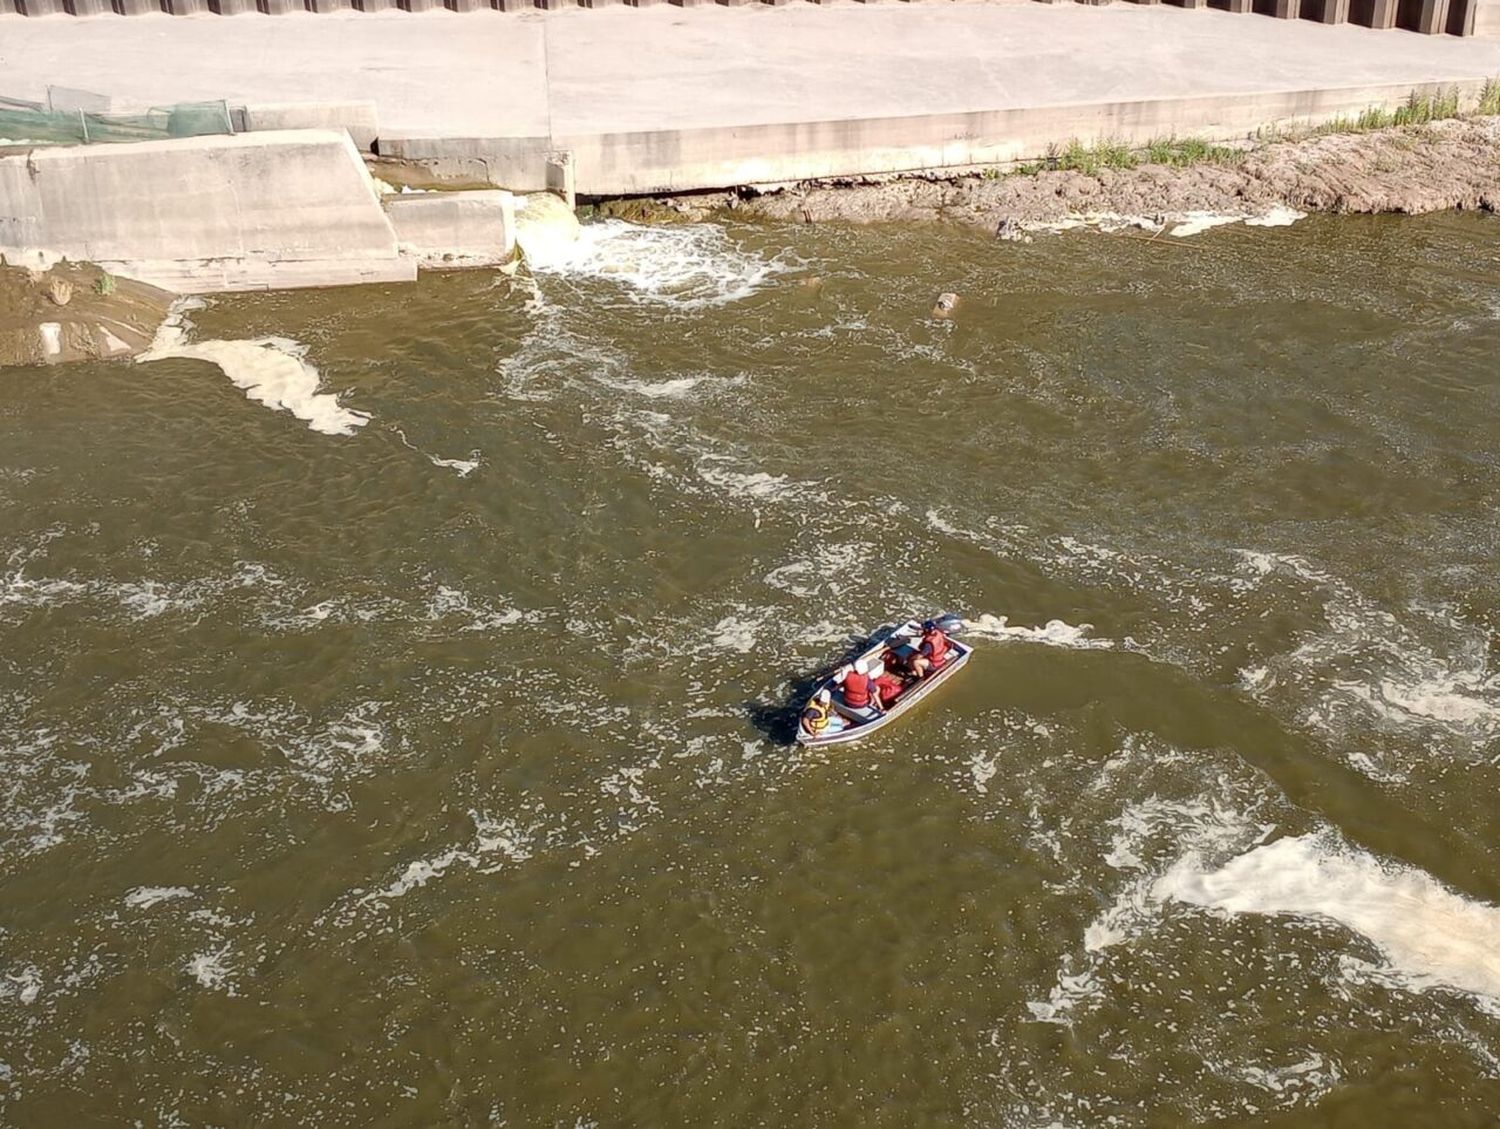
(60, 290)
(946, 304)
(1011, 230)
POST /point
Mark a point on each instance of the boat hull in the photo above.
(959, 656)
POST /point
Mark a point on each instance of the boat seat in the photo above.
(864, 713)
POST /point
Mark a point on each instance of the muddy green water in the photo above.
(342, 788)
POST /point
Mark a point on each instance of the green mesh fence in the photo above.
(22, 123)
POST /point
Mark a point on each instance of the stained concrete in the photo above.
(448, 229)
(255, 211)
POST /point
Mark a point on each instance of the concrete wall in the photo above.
(1487, 18)
(685, 160)
(447, 229)
(253, 211)
(1429, 16)
(357, 117)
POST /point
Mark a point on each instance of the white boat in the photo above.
(852, 730)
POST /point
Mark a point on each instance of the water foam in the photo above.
(1149, 837)
(212, 970)
(1179, 225)
(1054, 633)
(1194, 223)
(686, 266)
(1429, 936)
(462, 467)
(504, 838)
(273, 371)
(144, 897)
(1430, 673)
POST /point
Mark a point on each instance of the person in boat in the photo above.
(816, 716)
(932, 652)
(888, 686)
(857, 698)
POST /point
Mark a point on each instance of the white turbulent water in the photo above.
(445, 752)
(685, 267)
(1428, 936)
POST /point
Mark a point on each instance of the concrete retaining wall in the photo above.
(358, 118)
(1431, 17)
(446, 229)
(255, 211)
(686, 160)
(1487, 18)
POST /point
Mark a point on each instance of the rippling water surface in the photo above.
(427, 765)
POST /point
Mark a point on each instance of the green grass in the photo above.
(1489, 99)
(1418, 109)
(1181, 152)
(1091, 160)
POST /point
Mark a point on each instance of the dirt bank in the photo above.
(74, 312)
(1422, 168)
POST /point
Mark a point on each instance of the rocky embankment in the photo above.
(75, 312)
(1422, 168)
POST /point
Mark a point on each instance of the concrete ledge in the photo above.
(357, 118)
(685, 160)
(255, 210)
(214, 276)
(454, 229)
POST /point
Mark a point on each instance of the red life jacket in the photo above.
(935, 646)
(856, 690)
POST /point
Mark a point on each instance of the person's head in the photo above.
(929, 625)
(862, 666)
(824, 697)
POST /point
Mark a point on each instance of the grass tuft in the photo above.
(1489, 99)
(1181, 152)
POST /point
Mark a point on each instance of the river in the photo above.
(428, 765)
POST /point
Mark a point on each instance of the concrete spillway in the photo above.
(248, 212)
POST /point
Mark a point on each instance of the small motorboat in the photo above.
(842, 729)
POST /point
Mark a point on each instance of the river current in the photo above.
(394, 701)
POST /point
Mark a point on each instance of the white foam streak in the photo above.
(1054, 633)
(1194, 223)
(1176, 224)
(145, 897)
(1279, 216)
(1430, 936)
(1430, 674)
(734, 634)
(211, 970)
(502, 837)
(273, 371)
(1150, 836)
(463, 467)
